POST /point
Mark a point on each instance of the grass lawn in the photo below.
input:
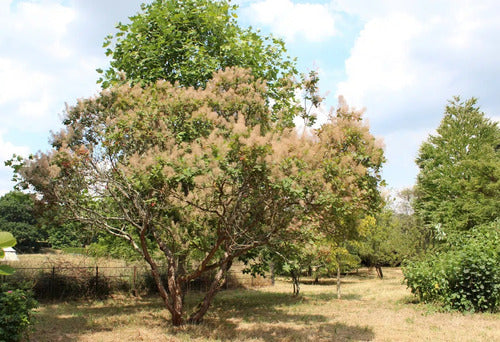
(371, 310)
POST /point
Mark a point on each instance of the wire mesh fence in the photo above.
(73, 282)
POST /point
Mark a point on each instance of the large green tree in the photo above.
(185, 41)
(458, 186)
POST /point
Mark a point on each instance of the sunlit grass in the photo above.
(371, 310)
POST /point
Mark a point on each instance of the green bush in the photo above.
(465, 276)
(15, 313)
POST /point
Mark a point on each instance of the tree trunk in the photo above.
(197, 316)
(271, 269)
(379, 271)
(296, 284)
(173, 299)
(176, 294)
(177, 319)
(338, 280)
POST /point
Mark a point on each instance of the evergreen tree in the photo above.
(458, 185)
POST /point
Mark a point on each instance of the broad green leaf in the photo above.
(6, 270)
(7, 240)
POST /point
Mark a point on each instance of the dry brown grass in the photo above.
(372, 310)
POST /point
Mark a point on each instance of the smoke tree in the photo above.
(344, 161)
(351, 167)
(194, 178)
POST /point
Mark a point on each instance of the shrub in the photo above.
(15, 313)
(465, 276)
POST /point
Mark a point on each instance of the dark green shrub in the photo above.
(15, 313)
(465, 276)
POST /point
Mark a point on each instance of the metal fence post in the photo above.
(134, 289)
(96, 280)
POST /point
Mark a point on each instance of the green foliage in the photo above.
(32, 221)
(465, 276)
(15, 313)
(17, 216)
(69, 234)
(110, 246)
(187, 41)
(457, 201)
(395, 235)
(61, 231)
(376, 248)
(458, 186)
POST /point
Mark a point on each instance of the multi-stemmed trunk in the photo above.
(173, 298)
(197, 316)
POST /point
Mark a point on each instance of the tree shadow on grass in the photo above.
(275, 333)
(66, 321)
(324, 332)
(348, 278)
(326, 282)
(333, 296)
(268, 316)
(234, 315)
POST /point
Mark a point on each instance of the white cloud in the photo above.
(314, 22)
(410, 58)
(18, 81)
(42, 25)
(37, 108)
(380, 58)
(33, 60)
(425, 57)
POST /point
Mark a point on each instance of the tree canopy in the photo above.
(458, 186)
(186, 41)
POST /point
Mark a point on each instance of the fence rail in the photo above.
(68, 282)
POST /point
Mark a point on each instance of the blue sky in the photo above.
(401, 60)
